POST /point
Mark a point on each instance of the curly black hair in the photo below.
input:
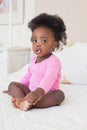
(54, 23)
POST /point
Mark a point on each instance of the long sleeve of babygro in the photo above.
(26, 79)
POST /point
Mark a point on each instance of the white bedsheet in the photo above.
(70, 115)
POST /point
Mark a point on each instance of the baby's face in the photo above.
(43, 41)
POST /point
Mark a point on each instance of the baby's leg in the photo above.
(52, 98)
(18, 92)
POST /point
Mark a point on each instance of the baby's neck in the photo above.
(40, 59)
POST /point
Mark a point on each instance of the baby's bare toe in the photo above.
(25, 105)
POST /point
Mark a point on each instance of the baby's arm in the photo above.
(35, 96)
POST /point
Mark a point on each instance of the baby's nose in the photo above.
(38, 43)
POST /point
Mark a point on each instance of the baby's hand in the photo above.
(35, 96)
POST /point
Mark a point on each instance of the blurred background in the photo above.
(73, 12)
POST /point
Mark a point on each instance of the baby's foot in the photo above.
(6, 91)
(16, 102)
(25, 105)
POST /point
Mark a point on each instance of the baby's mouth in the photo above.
(38, 51)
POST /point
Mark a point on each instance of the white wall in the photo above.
(74, 13)
(20, 32)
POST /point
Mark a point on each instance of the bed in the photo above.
(70, 115)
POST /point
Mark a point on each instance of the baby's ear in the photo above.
(55, 45)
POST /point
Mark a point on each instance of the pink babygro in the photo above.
(45, 74)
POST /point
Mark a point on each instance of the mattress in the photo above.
(70, 115)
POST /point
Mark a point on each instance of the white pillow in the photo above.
(74, 63)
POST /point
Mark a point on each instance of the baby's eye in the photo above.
(33, 40)
(43, 41)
